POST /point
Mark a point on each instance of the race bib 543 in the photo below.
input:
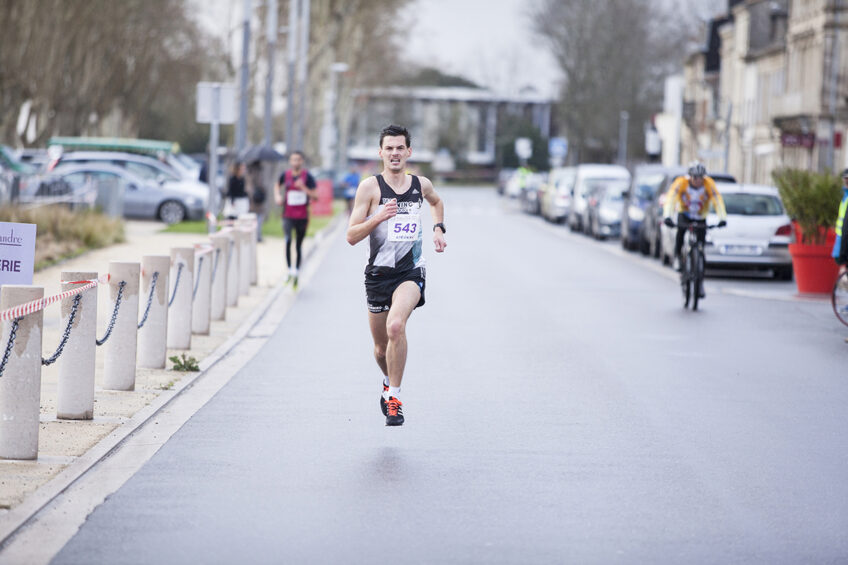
(404, 227)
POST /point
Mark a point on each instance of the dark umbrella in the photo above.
(260, 153)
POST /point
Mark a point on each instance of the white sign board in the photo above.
(227, 95)
(17, 253)
(524, 147)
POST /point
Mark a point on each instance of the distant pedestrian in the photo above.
(237, 200)
(293, 191)
(351, 181)
(258, 195)
(387, 211)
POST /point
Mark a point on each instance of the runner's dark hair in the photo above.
(298, 152)
(393, 130)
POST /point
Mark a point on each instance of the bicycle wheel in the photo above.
(839, 298)
(686, 279)
(697, 277)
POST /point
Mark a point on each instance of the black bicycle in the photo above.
(839, 298)
(692, 269)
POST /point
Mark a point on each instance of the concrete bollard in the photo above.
(233, 265)
(179, 316)
(120, 356)
(243, 237)
(218, 301)
(76, 364)
(200, 310)
(249, 221)
(152, 337)
(20, 383)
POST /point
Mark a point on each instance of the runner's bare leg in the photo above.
(404, 300)
(377, 323)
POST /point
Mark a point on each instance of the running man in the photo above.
(387, 210)
(293, 191)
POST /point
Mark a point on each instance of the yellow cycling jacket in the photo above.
(680, 199)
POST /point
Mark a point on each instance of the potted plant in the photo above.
(812, 201)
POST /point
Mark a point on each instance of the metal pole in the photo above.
(622, 137)
(834, 85)
(727, 137)
(291, 86)
(241, 128)
(272, 30)
(212, 173)
(302, 74)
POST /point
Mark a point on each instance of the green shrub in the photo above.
(62, 233)
(811, 199)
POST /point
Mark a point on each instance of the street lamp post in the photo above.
(241, 128)
(271, 31)
(329, 131)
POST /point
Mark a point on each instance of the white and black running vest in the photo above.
(389, 256)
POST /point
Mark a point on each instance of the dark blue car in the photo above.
(647, 180)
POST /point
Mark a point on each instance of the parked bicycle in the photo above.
(693, 265)
(839, 297)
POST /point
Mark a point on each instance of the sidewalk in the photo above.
(62, 443)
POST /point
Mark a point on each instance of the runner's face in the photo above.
(394, 153)
(697, 182)
(296, 161)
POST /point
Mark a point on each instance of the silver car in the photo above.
(171, 202)
(757, 235)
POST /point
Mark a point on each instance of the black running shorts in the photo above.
(379, 288)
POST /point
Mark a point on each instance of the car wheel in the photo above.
(171, 212)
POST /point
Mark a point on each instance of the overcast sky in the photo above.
(488, 41)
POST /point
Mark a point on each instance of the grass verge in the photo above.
(62, 233)
(272, 227)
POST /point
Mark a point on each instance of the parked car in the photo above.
(530, 192)
(555, 195)
(652, 226)
(757, 235)
(589, 176)
(146, 167)
(647, 181)
(605, 209)
(503, 177)
(170, 202)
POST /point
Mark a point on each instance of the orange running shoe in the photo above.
(383, 398)
(394, 412)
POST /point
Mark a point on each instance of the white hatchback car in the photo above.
(757, 235)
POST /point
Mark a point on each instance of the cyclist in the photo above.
(691, 196)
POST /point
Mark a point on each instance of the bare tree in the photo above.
(614, 55)
(96, 66)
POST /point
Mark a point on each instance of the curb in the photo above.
(18, 517)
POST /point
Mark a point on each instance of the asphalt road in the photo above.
(560, 406)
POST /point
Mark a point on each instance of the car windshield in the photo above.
(612, 185)
(746, 204)
(612, 196)
(647, 185)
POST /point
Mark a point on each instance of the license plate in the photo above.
(741, 250)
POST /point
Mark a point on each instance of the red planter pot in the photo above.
(815, 269)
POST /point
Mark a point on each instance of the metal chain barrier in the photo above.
(177, 283)
(121, 286)
(66, 334)
(13, 333)
(153, 280)
(197, 275)
(215, 267)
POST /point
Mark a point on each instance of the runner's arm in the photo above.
(671, 198)
(278, 195)
(437, 210)
(360, 225)
(718, 203)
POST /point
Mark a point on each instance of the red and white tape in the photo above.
(35, 305)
